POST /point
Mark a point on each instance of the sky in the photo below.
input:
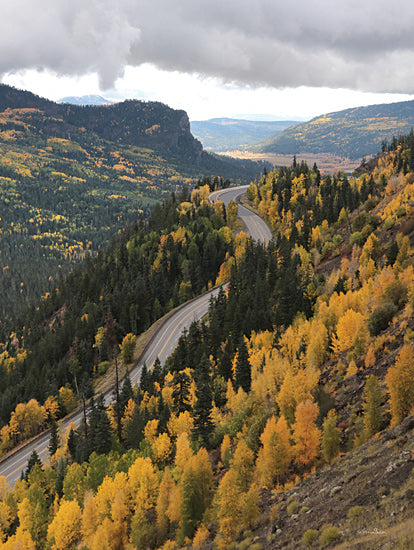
(292, 60)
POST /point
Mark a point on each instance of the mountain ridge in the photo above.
(355, 132)
(225, 134)
(139, 123)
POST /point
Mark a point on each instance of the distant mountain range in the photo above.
(352, 133)
(227, 134)
(86, 100)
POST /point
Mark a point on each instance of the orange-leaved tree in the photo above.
(306, 434)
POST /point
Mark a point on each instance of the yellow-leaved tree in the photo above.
(351, 331)
(306, 434)
(400, 382)
(65, 530)
(276, 452)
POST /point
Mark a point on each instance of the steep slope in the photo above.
(352, 133)
(227, 134)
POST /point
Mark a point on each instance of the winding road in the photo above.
(161, 344)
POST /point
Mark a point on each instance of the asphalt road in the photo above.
(255, 226)
(161, 345)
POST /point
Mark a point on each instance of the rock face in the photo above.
(149, 124)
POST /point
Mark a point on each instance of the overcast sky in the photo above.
(295, 58)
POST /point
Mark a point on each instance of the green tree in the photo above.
(100, 438)
(196, 483)
(243, 375)
(54, 438)
(330, 437)
(373, 398)
(203, 424)
(181, 392)
(128, 348)
(33, 460)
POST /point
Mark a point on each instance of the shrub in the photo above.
(401, 212)
(356, 238)
(389, 223)
(381, 317)
(103, 367)
(310, 537)
(360, 221)
(396, 293)
(369, 204)
(293, 507)
(354, 512)
(329, 534)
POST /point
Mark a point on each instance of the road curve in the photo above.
(161, 345)
(256, 227)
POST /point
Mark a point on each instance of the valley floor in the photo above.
(327, 163)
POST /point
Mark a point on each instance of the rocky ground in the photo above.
(365, 500)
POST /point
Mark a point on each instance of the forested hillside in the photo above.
(149, 268)
(71, 176)
(352, 133)
(299, 378)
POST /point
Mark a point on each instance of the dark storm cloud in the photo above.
(368, 44)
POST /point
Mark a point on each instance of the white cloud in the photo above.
(349, 44)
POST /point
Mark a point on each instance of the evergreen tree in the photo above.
(33, 460)
(225, 365)
(156, 373)
(126, 393)
(243, 374)
(60, 478)
(181, 392)
(203, 424)
(73, 443)
(100, 438)
(143, 381)
(54, 438)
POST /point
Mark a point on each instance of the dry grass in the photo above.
(398, 537)
(327, 163)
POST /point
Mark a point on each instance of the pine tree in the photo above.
(111, 338)
(203, 425)
(181, 392)
(143, 381)
(156, 373)
(33, 460)
(100, 438)
(243, 375)
(60, 478)
(54, 438)
(225, 362)
(126, 393)
(73, 443)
